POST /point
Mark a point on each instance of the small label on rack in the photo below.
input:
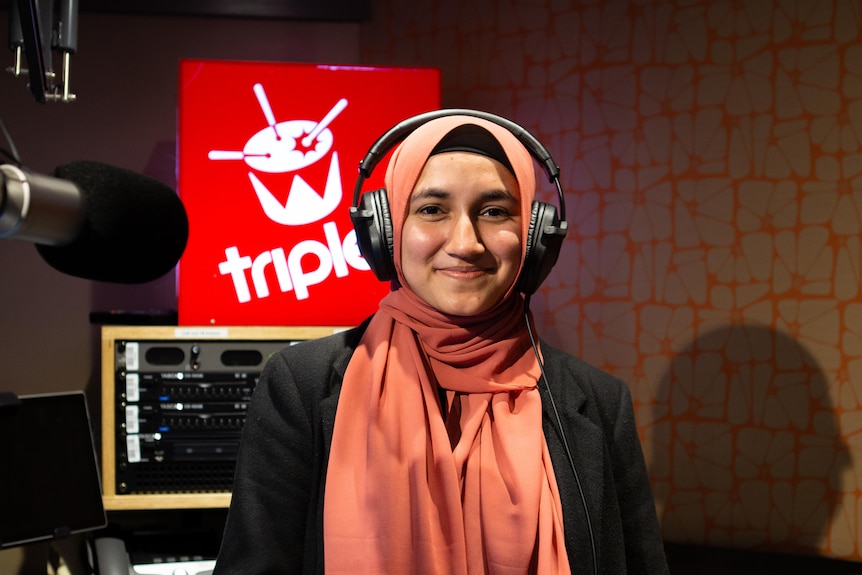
(201, 333)
(132, 356)
(132, 419)
(133, 448)
(132, 387)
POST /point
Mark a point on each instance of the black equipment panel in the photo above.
(179, 411)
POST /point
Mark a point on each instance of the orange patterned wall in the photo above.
(712, 155)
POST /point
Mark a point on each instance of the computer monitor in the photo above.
(49, 479)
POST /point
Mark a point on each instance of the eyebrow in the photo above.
(436, 193)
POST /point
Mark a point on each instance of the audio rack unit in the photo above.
(174, 401)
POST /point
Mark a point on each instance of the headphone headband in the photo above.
(397, 133)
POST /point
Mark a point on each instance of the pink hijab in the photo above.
(409, 491)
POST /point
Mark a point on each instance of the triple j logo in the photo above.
(283, 148)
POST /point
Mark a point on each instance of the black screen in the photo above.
(49, 479)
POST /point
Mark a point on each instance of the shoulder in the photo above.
(563, 365)
(583, 386)
(313, 368)
(322, 352)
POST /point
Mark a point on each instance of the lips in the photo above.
(463, 272)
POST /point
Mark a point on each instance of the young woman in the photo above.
(435, 438)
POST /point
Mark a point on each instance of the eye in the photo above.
(496, 212)
(429, 210)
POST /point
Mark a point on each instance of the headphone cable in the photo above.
(562, 435)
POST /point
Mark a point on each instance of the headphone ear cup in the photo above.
(373, 225)
(544, 239)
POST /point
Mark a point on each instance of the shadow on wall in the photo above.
(746, 448)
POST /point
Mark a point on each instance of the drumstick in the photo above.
(327, 119)
(263, 102)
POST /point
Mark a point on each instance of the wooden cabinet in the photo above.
(137, 359)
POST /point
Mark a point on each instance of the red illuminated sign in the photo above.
(268, 157)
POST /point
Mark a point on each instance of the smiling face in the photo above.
(461, 239)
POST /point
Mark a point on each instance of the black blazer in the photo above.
(275, 521)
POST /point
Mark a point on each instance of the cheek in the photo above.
(509, 249)
(416, 248)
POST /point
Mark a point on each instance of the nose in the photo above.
(465, 240)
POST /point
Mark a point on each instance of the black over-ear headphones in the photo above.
(373, 223)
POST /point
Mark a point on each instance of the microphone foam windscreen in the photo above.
(135, 228)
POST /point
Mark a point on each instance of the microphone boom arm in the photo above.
(33, 28)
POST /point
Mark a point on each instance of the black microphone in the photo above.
(95, 221)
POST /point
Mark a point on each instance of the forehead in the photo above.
(462, 172)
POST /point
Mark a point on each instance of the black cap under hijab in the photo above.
(475, 139)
